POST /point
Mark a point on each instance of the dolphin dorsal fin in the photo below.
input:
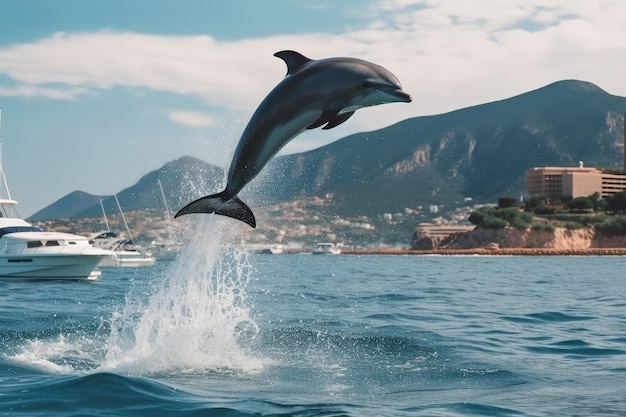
(293, 59)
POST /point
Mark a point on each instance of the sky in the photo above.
(96, 94)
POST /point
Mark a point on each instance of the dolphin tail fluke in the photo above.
(218, 204)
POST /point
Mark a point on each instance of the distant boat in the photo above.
(264, 249)
(326, 249)
(273, 250)
(123, 253)
(28, 252)
(165, 249)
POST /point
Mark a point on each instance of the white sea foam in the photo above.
(46, 356)
(191, 317)
(196, 317)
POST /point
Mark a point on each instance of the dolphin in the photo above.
(314, 93)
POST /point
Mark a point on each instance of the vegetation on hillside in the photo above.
(490, 217)
(607, 216)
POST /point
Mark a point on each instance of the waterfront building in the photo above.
(557, 183)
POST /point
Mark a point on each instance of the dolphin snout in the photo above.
(402, 96)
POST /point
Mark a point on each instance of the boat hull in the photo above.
(53, 266)
(118, 260)
(326, 249)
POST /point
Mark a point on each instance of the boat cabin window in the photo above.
(52, 243)
(34, 244)
(71, 242)
(106, 235)
(17, 229)
(7, 210)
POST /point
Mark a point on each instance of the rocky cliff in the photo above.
(559, 239)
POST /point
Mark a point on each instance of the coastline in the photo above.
(491, 252)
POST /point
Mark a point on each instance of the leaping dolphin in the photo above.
(314, 93)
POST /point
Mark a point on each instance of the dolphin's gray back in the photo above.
(287, 111)
(323, 93)
(300, 100)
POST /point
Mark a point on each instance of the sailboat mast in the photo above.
(167, 209)
(4, 178)
(106, 221)
(123, 217)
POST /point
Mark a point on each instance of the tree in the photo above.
(536, 201)
(617, 202)
(614, 226)
(497, 218)
(580, 204)
(505, 202)
(599, 204)
(479, 215)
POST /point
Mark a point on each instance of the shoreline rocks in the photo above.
(487, 251)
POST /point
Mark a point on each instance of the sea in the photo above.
(222, 332)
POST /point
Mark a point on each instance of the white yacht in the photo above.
(122, 251)
(28, 252)
(326, 249)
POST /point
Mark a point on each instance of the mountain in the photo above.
(480, 152)
(183, 179)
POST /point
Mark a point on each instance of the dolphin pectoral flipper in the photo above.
(329, 114)
(218, 204)
(314, 93)
(338, 120)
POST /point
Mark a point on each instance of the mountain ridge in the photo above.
(479, 152)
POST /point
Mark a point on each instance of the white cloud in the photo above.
(30, 91)
(448, 54)
(191, 118)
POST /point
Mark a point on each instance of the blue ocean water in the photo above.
(218, 332)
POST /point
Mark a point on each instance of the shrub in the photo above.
(542, 210)
(497, 218)
(515, 217)
(494, 223)
(536, 201)
(613, 226)
(592, 219)
(616, 202)
(479, 215)
(548, 227)
(573, 225)
(599, 204)
(580, 203)
(504, 202)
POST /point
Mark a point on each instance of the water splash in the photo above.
(197, 319)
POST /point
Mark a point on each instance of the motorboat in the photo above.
(264, 249)
(272, 250)
(277, 249)
(123, 252)
(326, 249)
(165, 249)
(28, 252)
